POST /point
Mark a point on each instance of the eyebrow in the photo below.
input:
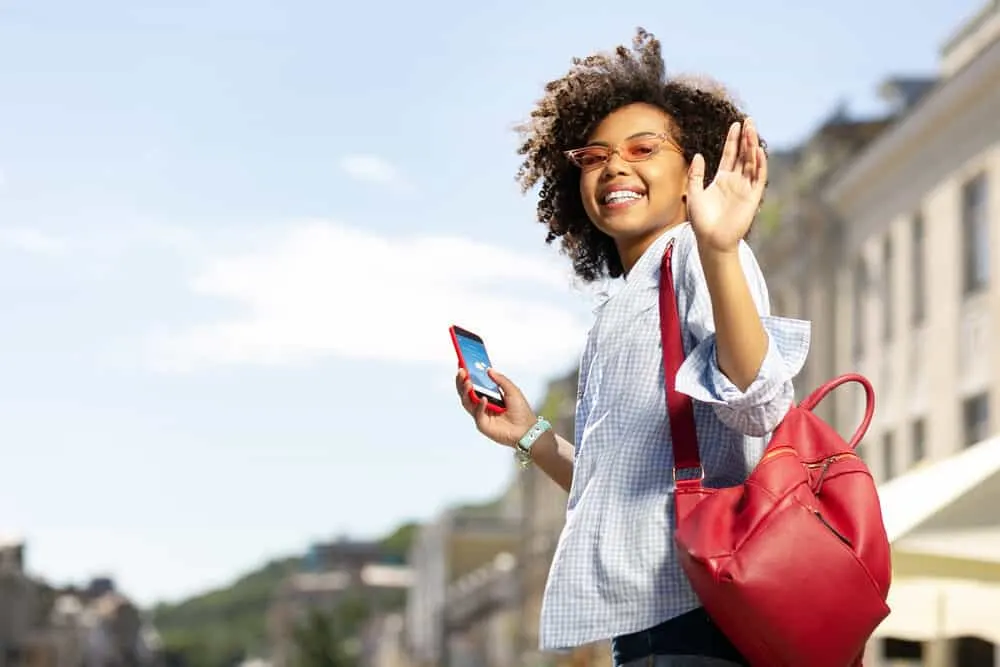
(646, 133)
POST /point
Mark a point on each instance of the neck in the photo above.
(630, 250)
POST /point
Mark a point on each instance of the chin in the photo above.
(627, 228)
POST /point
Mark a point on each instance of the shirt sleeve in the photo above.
(760, 408)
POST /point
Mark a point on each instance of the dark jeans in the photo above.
(690, 634)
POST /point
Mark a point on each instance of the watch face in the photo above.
(525, 443)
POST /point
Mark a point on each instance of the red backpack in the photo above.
(793, 565)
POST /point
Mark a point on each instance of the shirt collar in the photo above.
(647, 269)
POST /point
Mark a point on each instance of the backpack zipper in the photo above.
(824, 465)
(785, 449)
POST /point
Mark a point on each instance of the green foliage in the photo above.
(319, 644)
(331, 639)
(397, 543)
(769, 217)
(552, 403)
(488, 508)
(222, 627)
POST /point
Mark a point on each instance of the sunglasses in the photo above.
(634, 149)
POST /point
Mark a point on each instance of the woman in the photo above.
(628, 161)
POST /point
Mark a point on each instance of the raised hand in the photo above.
(721, 214)
(505, 428)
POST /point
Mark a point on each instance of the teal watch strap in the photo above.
(522, 450)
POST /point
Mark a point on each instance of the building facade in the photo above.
(459, 542)
(542, 521)
(892, 253)
(89, 626)
(918, 300)
(798, 238)
(482, 615)
(385, 642)
(359, 586)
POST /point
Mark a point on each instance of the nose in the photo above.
(615, 166)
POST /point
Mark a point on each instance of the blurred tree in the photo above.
(208, 629)
(322, 640)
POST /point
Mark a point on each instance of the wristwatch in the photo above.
(522, 449)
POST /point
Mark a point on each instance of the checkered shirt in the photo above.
(615, 571)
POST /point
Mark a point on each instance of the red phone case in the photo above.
(490, 407)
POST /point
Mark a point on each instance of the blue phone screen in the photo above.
(478, 362)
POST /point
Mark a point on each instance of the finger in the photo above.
(696, 175)
(748, 152)
(503, 382)
(761, 176)
(464, 386)
(731, 151)
(466, 394)
(481, 415)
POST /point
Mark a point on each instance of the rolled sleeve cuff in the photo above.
(788, 346)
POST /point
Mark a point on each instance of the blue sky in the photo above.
(232, 236)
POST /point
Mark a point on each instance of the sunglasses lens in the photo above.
(641, 149)
(591, 157)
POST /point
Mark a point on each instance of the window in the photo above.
(902, 651)
(918, 441)
(887, 291)
(976, 419)
(973, 651)
(975, 235)
(860, 304)
(888, 457)
(917, 268)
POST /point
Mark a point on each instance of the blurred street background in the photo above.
(232, 238)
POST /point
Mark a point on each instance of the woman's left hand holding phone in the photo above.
(504, 428)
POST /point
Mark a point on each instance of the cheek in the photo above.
(588, 190)
(588, 184)
(666, 181)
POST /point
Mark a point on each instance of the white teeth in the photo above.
(620, 195)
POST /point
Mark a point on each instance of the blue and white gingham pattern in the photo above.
(614, 571)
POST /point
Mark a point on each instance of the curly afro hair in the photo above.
(572, 108)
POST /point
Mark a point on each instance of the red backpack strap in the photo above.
(680, 408)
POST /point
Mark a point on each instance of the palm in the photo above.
(506, 428)
(721, 214)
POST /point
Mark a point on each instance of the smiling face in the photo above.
(638, 192)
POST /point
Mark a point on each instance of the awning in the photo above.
(960, 490)
(927, 609)
(943, 520)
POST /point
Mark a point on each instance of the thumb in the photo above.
(696, 175)
(508, 387)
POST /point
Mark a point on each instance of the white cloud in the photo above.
(32, 241)
(372, 169)
(326, 289)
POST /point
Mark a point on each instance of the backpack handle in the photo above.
(813, 399)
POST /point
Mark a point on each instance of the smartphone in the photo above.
(472, 356)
